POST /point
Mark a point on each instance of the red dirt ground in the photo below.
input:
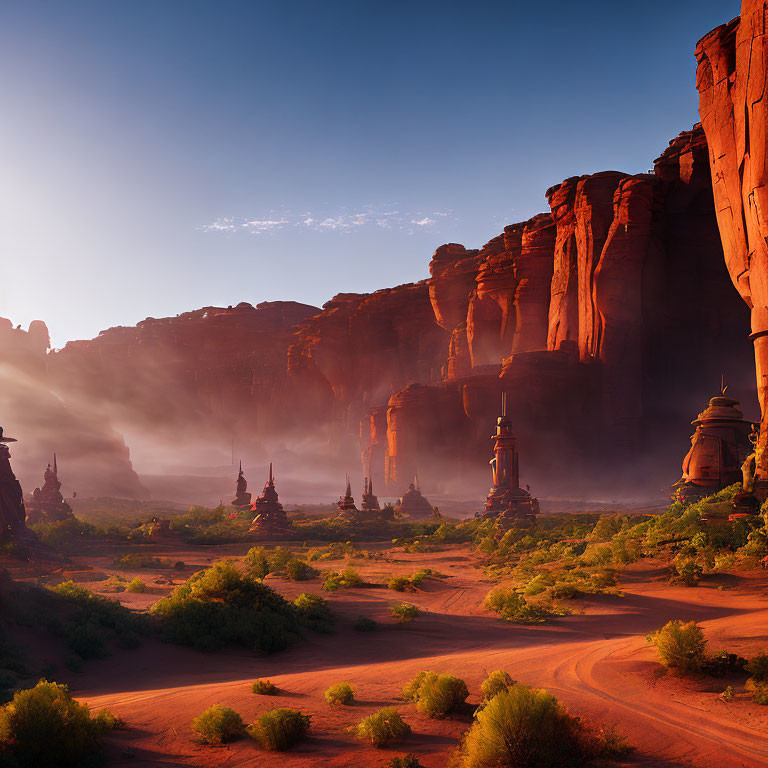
(596, 661)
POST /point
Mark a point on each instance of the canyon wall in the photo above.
(607, 320)
(731, 79)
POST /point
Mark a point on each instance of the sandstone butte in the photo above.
(607, 320)
(731, 77)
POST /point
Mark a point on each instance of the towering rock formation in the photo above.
(242, 497)
(13, 525)
(731, 79)
(98, 461)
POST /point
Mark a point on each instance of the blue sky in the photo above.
(162, 155)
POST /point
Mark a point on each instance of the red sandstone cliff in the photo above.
(731, 79)
(93, 457)
(606, 321)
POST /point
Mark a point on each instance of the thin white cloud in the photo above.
(338, 222)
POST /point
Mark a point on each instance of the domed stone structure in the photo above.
(270, 519)
(719, 447)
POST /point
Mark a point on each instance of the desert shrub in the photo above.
(349, 577)
(340, 694)
(383, 727)
(279, 729)
(259, 562)
(314, 612)
(526, 728)
(757, 667)
(403, 612)
(114, 584)
(513, 607)
(496, 682)
(44, 727)
(407, 761)
(218, 724)
(220, 605)
(680, 646)
(140, 560)
(727, 694)
(425, 573)
(399, 583)
(136, 585)
(298, 570)
(688, 572)
(436, 694)
(91, 621)
(364, 624)
(722, 663)
(759, 691)
(264, 687)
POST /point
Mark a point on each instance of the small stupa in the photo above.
(720, 452)
(13, 526)
(270, 519)
(242, 497)
(413, 503)
(370, 502)
(47, 504)
(346, 505)
(507, 502)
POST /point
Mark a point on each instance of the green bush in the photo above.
(688, 572)
(526, 728)
(44, 727)
(220, 605)
(513, 607)
(436, 694)
(348, 578)
(404, 612)
(759, 691)
(340, 694)
(114, 584)
(264, 687)
(496, 682)
(298, 570)
(136, 585)
(314, 612)
(140, 560)
(364, 624)
(758, 668)
(279, 729)
(680, 646)
(407, 761)
(383, 727)
(722, 663)
(399, 583)
(218, 724)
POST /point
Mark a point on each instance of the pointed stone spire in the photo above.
(271, 479)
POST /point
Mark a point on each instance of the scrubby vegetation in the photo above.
(133, 560)
(279, 729)
(383, 727)
(512, 606)
(340, 694)
(403, 612)
(314, 612)
(44, 727)
(345, 579)
(407, 761)
(528, 728)
(681, 647)
(221, 605)
(496, 682)
(261, 561)
(436, 694)
(218, 724)
(136, 585)
(415, 580)
(264, 688)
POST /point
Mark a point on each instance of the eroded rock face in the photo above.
(98, 462)
(731, 79)
(452, 270)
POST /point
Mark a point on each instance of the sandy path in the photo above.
(598, 663)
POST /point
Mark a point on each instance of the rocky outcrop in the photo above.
(731, 79)
(98, 461)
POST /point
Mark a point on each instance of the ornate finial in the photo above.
(349, 487)
(504, 404)
(723, 386)
(270, 473)
(55, 466)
